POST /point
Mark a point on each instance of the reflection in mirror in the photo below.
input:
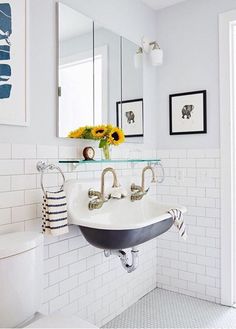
(132, 75)
(96, 72)
(130, 110)
(107, 73)
(76, 106)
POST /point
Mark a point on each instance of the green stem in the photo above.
(106, 151)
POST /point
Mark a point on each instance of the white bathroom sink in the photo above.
(119, 223)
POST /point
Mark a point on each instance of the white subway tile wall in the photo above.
(78, 278)
(192, 267)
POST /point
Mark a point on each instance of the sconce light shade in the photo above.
(156, 56)
(152, 49)
(138, 58)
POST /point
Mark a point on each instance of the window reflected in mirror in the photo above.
(76, 99)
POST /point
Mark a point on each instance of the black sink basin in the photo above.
(121, 239)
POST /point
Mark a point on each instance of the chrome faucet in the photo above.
(98, 198)
(139, 191)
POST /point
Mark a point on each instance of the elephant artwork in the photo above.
(130, 117)
(5, 33)
(187, 111)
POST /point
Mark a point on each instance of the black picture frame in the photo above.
(119, 108)
(203, 94)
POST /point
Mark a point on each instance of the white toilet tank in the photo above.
(21, 273)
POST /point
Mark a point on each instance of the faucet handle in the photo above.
(92, 193)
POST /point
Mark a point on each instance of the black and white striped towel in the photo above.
(54, 213)
(178, 219)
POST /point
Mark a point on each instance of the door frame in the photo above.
(228, 164)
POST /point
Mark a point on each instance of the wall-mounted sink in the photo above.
(119, 224)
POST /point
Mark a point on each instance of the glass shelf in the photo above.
(110, 161)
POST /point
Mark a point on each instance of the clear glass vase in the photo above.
(106, 152)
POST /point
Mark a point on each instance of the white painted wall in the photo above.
(188, 33)
(42, 66)
(191, 62)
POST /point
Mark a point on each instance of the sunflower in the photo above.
(78, 133)
(99, 131)
(109, 127)
(116, 136)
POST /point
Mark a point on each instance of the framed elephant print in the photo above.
(130, 117)
(188, 113)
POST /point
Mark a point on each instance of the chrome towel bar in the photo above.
(42, 167)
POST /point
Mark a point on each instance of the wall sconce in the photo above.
(152, 49)
(156, 54)
(138, 58)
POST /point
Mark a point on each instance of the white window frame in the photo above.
(228, 164)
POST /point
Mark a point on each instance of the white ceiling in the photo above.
(159, 4)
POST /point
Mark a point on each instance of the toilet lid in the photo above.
(15, 243)
(57, 320)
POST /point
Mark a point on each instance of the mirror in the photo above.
(107, 73)
(96, 72)
(130, 111)
(75, 70)
(132, 76)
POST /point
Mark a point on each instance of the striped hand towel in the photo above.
(178, 219)
(54, 213)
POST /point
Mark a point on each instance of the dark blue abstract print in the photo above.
(5, 48)
(4, 53)
(5, 22)
(5, 72)
(5, 91)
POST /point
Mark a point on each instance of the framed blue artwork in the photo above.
(13, 109)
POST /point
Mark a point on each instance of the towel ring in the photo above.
(159, 164)
(42, 166)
